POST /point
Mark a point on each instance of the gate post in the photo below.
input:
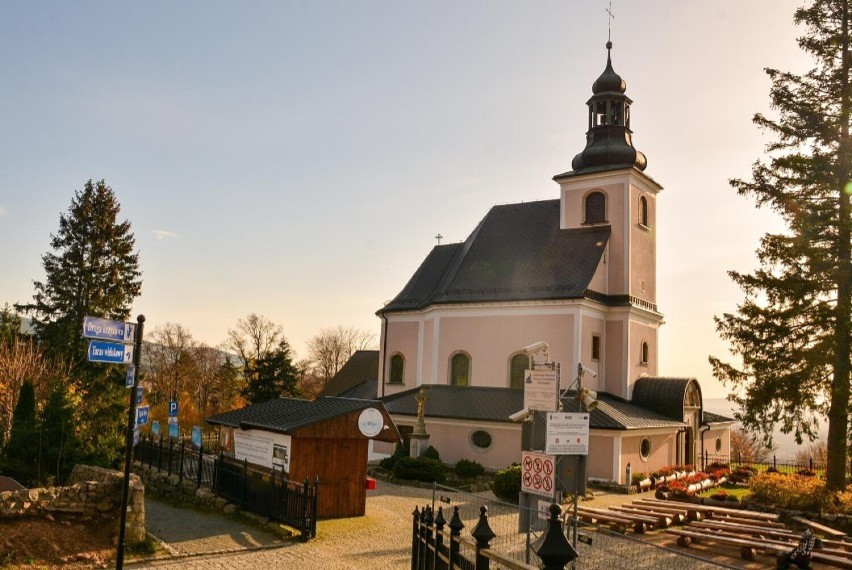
(421, 554)
(483, 534)
(243, 484)
(456, 527)
(429, 551)
(555, 550)
(415, 539)
(439, 540)
(160, 454)
(171, 442)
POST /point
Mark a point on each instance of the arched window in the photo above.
(460, 369)
(595, 208)
(517, 366)
(644, 355)
(643, 211)
(396, 374)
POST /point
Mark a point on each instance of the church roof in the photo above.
(664, 395)
(490, 404)
(517, 253)
(362, 366)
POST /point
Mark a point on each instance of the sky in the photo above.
(296, 159)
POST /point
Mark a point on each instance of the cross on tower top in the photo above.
(610, 18)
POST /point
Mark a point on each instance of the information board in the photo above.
(540, 389)
(567, 433)
(537, 473)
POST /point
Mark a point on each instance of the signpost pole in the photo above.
(128, 454)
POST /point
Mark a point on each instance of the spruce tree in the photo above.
(792, 331)
(22, 451)
(274, 376)
(93, 270)
(59, 445)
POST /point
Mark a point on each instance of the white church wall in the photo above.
(662, 452)
(599, 461)
(452, 440)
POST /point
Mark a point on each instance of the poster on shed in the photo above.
(263, 448)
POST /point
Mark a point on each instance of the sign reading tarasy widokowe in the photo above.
(264, 448)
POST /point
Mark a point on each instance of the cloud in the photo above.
(165, 234)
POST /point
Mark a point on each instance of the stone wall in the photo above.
(91, 494)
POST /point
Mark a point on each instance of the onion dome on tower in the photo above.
(608, 141)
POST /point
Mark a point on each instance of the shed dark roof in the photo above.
(517, 252)
(9, 484)
(497, 404)
(361, 367)
(663, 395)
(285, 415)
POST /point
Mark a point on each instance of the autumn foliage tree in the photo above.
(792, 331)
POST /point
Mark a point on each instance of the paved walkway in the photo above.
(380, 539)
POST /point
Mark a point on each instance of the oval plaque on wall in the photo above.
(371, 422)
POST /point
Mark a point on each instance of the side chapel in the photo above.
(578, 272)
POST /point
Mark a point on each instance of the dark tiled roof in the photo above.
(664, 395)
(289, 414)
(711, 418)
(365, 391)
(497, 404)
(361, 367)
(517, 252)
(9, 484)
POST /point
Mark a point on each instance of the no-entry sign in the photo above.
(537, 471)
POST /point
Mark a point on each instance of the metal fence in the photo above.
(598, 547)
(262, 492)
(810, 464)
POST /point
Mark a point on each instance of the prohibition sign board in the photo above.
(537, 473)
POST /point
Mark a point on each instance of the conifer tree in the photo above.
(22, 450)
(58, 440)
(93, 270)
(792, 331)
(274, 376)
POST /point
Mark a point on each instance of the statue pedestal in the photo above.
(419, 443)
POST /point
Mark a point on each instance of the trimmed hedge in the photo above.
(469, 469)
(420, 469)
(507, 483)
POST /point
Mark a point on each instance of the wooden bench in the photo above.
(594, 516)
(681, 513)
(748, 547)
(820, 528)
(742, 513)
(746, 529)
(663, 520)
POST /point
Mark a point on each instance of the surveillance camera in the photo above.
(589, 371)
(520, 416)
(535, 347)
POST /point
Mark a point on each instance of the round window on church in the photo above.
(645, 448)
(481, 440)
(718, 445)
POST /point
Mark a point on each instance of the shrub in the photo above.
(400, 450)
(468, 469)
(420, 469)
(507, 483)
(789, 491)
(431, 453)
(637, 477)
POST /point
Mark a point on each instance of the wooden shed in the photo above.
(327, 438)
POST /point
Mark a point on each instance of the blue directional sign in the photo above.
(100, 351)
(139, 392)
(173, 431)
(173, 409)
(142, 415)
(105, 329)
(155, 428)
(135, 435)
(130, 377)
(196, 437)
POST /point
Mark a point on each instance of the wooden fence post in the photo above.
(430, 544)
(160, 455)
(456, 527)
(438, 563)
(200, 464)
(171, 443)
(555, 549)
(483, 534)
(421, 558)
(244, 484)
(415, 539)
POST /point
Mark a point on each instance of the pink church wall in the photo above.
(643, 245)
(491, 340)
(710, 437)
(663, 452)
(592, 326)
(614, 359)
(638, 333)
(452, 440)
(428, 336)
(402, 339)
(599, 462)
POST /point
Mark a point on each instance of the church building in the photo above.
(578, 272)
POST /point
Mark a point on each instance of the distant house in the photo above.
(578, 272)
(325, 439)
(9, 484)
